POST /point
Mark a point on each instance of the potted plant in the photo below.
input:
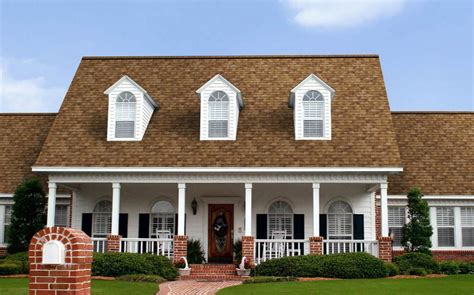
(244, 268)
(182, 266)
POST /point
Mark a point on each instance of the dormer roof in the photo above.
(219, 77)
(127, 78)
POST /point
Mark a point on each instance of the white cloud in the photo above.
(31, 94)
(341, 13)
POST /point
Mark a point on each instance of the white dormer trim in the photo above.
(144, 108)
(236, 103)
(312, 82)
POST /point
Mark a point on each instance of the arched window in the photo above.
(340, 221)
(125, 115)
(162, 220)
(102, 219)
(280, 221)
(218, 114)
(313, 114)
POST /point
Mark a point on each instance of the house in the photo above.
(290, 154)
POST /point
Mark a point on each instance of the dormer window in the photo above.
(125, 109)
(130, 110)
(221, 103)
(311, 101)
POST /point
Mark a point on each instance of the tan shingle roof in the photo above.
(362, 134)
(21, 138)
(437, 151)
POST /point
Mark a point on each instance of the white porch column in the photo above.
(51, 204)
(181, 207)
(115, 208)
(248, 209)
(316, 209)
(384, 208)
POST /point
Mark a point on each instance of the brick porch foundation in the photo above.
(113, 243)
(180, 247)
(248, 244)
(316, 245)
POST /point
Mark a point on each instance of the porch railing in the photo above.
(349, 246)
(162, 247)
(99, 245)
(276, 248)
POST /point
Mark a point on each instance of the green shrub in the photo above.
(344, 266)
(142, 278)
(118, 264)
(9, 269)
(449, 267)
(195, 252)
(411, 260)
(264, 279)
(391, 269)
(237, 249)
(466, 268)
(418, 271)
(21, 259)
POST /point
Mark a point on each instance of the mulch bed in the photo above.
(418, 277)
(15, 276)
(316, 279)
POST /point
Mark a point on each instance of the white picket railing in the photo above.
(99, 245)
(162, 247)
(349, 246)
(276, 248)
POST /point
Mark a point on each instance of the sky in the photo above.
(425, 46)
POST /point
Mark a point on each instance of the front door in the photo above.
(221, 233)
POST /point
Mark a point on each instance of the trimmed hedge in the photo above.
(21, 259)
(411, 260)
(119, 264)
(418, 271)
(262, 279)
(391, 269)
(142, 278)
(343, 266)
(9, 269)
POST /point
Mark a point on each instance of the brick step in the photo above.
(211, 278)
(203, 272)
(213, 266)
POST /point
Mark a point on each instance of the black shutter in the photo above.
(262, 226)
(176, 224)
(123, 225)
(143, 225)
(323, 225)
(358, 220)
(298, 226)
(87, 223)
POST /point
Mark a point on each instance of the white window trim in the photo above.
(335, 214)
(280, 216)
(94, 214)
(463, 226)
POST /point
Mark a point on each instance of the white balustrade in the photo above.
(349, 246)
(277, 248)
(99, 245)
(162, 247)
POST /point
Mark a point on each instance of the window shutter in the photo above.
(298, 226)
(262, 226)
(143, 225)
(87, 223)
(123, 225)
(323, 225)
(358, 226)
(176, 223)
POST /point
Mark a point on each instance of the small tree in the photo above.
(417, 232)
(28, 214)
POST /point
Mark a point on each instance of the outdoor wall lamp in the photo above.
(194, 206)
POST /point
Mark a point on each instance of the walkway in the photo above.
(194, 287)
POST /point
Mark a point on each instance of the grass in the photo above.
(457, 284)
(16, 286)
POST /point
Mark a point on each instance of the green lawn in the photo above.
(458, 284)
(20, 287)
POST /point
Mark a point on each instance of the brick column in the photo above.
(73, 274)
(180, 247)
(113, 243)
(248, 244)
(385, 248)
(316, 245)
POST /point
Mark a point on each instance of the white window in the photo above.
(162, 220)
(61, 218)
(125, 108)
(445, 224)
(396, 221)
(280, 221)
(218, 115)
(467, 223)
(313, 114)
(6, 223)
(102, 219)
(339, 221)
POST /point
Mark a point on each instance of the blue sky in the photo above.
(426, 47)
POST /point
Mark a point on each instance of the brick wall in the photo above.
(459, 255)
(74, 276)
(3, 251)
(248, 245)
(316, 245)
(385, 248)
(378, 217)
(113, 243)
(180, 247)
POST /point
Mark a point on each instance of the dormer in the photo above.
(130, 110)
(221, 103)
(311, 101)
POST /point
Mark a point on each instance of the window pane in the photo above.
(218, 128)
(468, 236)
(124, 129)
(445, 216)
(280, 226)
(313, 128)
(61, 218)
(467, 216)
(340, 226)
(313, 109)
(218, 110)
(446, 237)
(397, 235)
(6, 225)
(396, 216)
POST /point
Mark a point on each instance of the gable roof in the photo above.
(437, 153)
(21, 139)
(363, 133)
(127, 78)
(225, 81)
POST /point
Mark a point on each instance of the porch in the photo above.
(273, 219)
